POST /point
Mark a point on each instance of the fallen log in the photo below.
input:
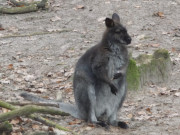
(24, 7)
(28, 111)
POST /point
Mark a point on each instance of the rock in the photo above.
(152, 69)
(29, 78)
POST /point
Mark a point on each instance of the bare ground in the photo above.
(38, 52)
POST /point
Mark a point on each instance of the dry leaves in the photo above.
(155, 45)
(10, 67)
(16, 121)
(159, 14)
(35, 127)
(177, 94)
(1, 28)
(80, 7)
(75, 121)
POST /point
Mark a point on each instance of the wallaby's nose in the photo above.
(129, 40)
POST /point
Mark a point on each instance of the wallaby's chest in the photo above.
(118, 62)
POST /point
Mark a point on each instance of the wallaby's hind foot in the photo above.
(102, 124)
(122, 124)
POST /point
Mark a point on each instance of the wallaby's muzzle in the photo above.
(128, 40)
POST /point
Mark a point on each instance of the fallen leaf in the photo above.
(141, 113)
(75, 121)
(35, 127)
(1, 28)
(21, 6)
(154, 45)
(88, 128)
(148, 110)
(177, 94)
(107, 2)
(164, 93)
(5, 81)
(50, 129)
(141, 37)
(159, 14)
(16, 121)
(173, 115)
(80, 7)
(4, 110)
(101, 19)
(29, 78)
(137, 6)
(130, 116)
(173, 49)
(16, 133)
(41, 90)
(10, 67)
(13, 29)
(91, 125)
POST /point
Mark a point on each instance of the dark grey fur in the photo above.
(100, 77)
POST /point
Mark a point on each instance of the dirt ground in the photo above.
(38, 52)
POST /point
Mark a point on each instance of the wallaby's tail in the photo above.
(65, 107)
(69, 108)
(35, 99)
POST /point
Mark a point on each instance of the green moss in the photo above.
(5, 127)
(143, 59)
(147, 69)
(161, 53)
(133, 76)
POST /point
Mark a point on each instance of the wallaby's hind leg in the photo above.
(85, 97)
(112, 121)
(92, 105)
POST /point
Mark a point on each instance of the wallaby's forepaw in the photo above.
(113, 89)
(123, 125)
(118, 75)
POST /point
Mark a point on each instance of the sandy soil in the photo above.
(38, 52)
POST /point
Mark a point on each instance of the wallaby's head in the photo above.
(116, 32)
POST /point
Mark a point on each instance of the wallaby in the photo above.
(100, 78)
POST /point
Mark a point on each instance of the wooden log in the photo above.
(19, 10)
(27, 111)
(30, 109)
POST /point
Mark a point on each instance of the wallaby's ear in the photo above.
(109, 22)
(116, 18)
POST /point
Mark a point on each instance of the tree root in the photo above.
(28, 111)
(24, 7)
(36, 33)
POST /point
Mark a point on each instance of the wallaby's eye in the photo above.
(118, 31)
(121, 31)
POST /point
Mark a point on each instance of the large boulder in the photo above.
(149, 69)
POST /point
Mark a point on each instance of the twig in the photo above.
(39, 104)
(36, 33)
(49, 123)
